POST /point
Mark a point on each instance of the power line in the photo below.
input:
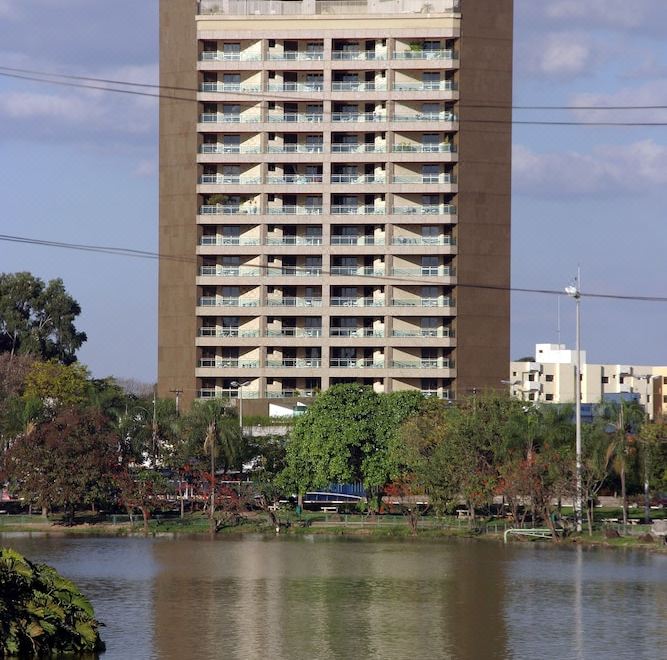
(278, 96)
(146, 254)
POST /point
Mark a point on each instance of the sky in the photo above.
(81, 166)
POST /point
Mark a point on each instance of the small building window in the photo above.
(549, 378)
(549, 397)
(605, 379)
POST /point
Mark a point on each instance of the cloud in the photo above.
(630, 169)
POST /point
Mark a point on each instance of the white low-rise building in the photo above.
(549, 377)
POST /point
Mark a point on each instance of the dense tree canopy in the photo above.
(38, 319)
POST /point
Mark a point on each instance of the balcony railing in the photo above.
(221, 56)
(230, 271)
(294, 210)
(227, 301)
(357, 270)
(426, 116)
(424, 363)
(223, 179)
(424, 178)
(295, 240)
(354, 179)
(219, 118)
(229, 87)
(289, 394)
(226, 209)
(228, 149)
(354, 332)
(342, 209)
(425, 209)
(424, 148)
(358, 148)
(428, 86)
(425, 271)
(295, 363)
(423, 332)
(295, 271)
(295, 332)
(228, 363)
(315, 86)
(228, 240)
(355, 55)
(363, 117)
(354, 363)
(423, 240)
(444, 394)
(296, 56)
(337, 301)
(356, 240)
(443, 54)
(227, 332)
(357, 86)
(309, 117)
(290, 301)
(295, 179)
(230, 393)
(422, 302)
(296, 149)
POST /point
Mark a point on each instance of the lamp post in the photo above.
(239, 386)
(574, 292)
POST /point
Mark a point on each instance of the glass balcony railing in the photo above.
(295, 363)
(426, 116)
(357, 270)
(354, 179)
(422, 332)
(424, 363)
(296, 149)
(423, 240)
(425, 178)
(344, 209)
(314, 86)
(356, 240)
(358, 86)
(226, 179)
(309, 117)
(424, 148)
(338, 301)
(354, 363)
(355, 332)
(294, 210)
(219, 118)
(424, 271)
(295, 240)
(363, 117)
(295, 179)
(229, 87)
(296, 56)
(221, 56)
(228, 240)
(425, 209)
(227, 332)
(426, 86)
(357, 55)
(230, 271)
(422, 302)
(358, 148)
(290, 301)
(227, 301)
(294, 271)
(226, 209)
(295, 332)
(289, 394)
(218, 148)
(230, 393)
(417, 54)
(228, 363)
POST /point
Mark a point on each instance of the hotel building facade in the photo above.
(334, 196)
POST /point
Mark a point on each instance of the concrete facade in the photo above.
(326, 190)
(550, 378)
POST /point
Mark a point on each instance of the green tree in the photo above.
(57, 385)
(38, 319)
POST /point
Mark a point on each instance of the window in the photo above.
(431, 45)
(531, 377)
(605, 379)
(230, 48)
(549, 397)
(549, 378)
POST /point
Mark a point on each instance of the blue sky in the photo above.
(80, 166)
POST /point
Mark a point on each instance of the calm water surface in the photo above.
(324, 598)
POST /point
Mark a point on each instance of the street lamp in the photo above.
(574, 292)
(239, 386)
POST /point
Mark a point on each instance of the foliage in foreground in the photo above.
(42, 613)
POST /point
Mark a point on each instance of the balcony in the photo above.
(424, 363)
(308, 117)
(425, 209)
(221, 56)
(353, 179)
(424, 148)
(229, 87)
(295, 363)
(358, 149)
(295, 87)
(422, 302)
(219, 118)
(226, 179)
(442, 54)
(295, 179)
(429, 86)
(357, 270)
(295, 240)
(289, 394)
(357, 55)
(295, 332)
(337, 301)
(213, 393)
(354, 363)
(338, 209)
(227, 240)
(357, 86)
(359, 117)
(290, 301)
(294, 210)
(227, 363)
(425, 271)
(356, 240)
(423, 332)
(229, 271)
(223, 209)
(424, 178)
(296, 149)
(226, 301)
(294, 271)
(296, 56)
(228, 149)
(423, 240)
(426, 116)
(354, 332)
(227, 332)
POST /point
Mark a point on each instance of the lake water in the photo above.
(318, 598)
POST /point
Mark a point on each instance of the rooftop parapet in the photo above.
(326, 7)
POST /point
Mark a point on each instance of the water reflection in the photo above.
(325, 598)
